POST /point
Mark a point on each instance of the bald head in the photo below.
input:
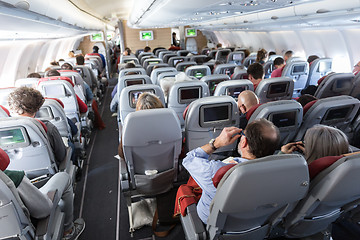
(246, 100)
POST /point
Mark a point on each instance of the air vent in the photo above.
(274, 17)
(23, 5)
(322, 11)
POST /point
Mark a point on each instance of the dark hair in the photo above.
(305, 99)
(52, 73)
(256, 70)
(219, 45)
(33, 75)
(66, 66)
(260, 137)
(80, 60)
(25, 100)
(278, 61)
(54, 63)
(272, 53)
(96, 49)
(311, 58)
(129, 65)
(311, 89)
(147, 49)
(261, 55)
(128, 50)
(246, 52)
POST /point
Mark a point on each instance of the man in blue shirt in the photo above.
(260, 138)
(96, 50)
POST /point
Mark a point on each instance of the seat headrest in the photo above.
(42, 124)
(6, 110)
(60, 71)
(56, 78)
(321, 164)
(308, 106)
(220, 173)
(56, 99)
(251, 111)
(321, 79)
(4, 160)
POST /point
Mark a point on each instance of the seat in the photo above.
(198, 71)
(126, 59)
(198, 58)
(27, 82)
(205, 119)
(166, 57)
(143, 54)
(221, 55)
(129, 96)
(273, 57)
(134, 70)
(249, 60)
(15, 221)
(297, 70)
(318, 68)
(155, 73)
(287, 115)
(164, 75)
(213, 80)
(174, 60)
(4, 94)
(268, 68)
(355, 92)
(4, 112)
(88, 76)
(338, 112)
(157, 51)
(233, 88)
(78, 81)
(331, 193)
(152, 66)
(151, 144)
(336, 84)
(251, 198)
(181, 66)
(212, 54)
(182, 53)
(227, 68)
(273, 89)
(129, 80)
(235, 57)
(162, 53)
(150, 61)
(138, 52)
(183, 93)
(240, 74)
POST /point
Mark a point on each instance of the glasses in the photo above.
(242, 134)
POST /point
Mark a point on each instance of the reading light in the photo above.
(23, 5)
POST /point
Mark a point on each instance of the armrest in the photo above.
(67, 159)
(193, 226)
(42, 226)
(124, 176)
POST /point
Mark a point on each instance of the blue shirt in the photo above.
(202, 169)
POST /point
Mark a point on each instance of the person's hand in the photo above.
(300, 147)
(289, 148)
(227, 136)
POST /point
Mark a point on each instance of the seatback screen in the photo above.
(227, 71)
(235, 91)
(198, 73)
(237, 57)
(53, 90)
(286, 119)
(153, 62)
(213, 84)
(12, 138)
(130, 82)
(298, 69)
(336, 114)
(187, 95)
(44, 113)
(215, 114)
(277, 90)
(134, 95)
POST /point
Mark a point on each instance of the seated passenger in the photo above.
(147, 49)
(356, 69)
(261, 56)
(246, 100)
(305, 99)
(37, 201)
(127, 65)
(271, 53)
(219, 46)
(319, 141)
(255, 74)
(145, 101)
(80, 60)
(311, 59)
(33, 75)
(260, 138)
(82, 106)
(279, 65)
(288, 54)
(24, 101)
(96, 50)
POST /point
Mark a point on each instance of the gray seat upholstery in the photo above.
(15, 218)
(221, 55)
(182, 53)
(319, 68)
(155, 73)
(249, 60)
(180, 67)
(198, 71)
(4, 93)
(227, 68)
(150, 61)
(273, 89)
(268, 68)
(159, 50)
(166, 57)
(205, 119)
(26, 82)
(356, 87)
(162, 53)
(151, 67)
(126, 59)
(336, 84)
(235, 57)
(143, 54)
(233, 88)
(129, 80)
(164, 75)
(213, 80)
(240, 74)
(331, 193)
(212, 53)
(252, 198)
(174, 60)
(196, 58)
(297, 70)
(151, 144)
(337, 111)
(287, 115)
(88, 76)
(140, 71)
(183, 93)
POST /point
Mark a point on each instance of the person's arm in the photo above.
(38, 204)
(56, 143)
(291, 147)
(114, 103)
(227, 136)
(82, 106)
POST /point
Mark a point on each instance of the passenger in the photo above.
(279, 65)
(147, 49)
(311, 90)
(82, 106)
(96, 50)
(145, 101)
(255, 74)
(319, 141)
(311, 58)
(215, 65)
(260, 138)
(80, 60)
(37, 201)
(174, 41)
(272, 53)
(287, 55)
(54, 63)
(261, 56)
(246, 100)
(71, 54)
(356, 69)
(219, 46)
(66, 66)
(246, 54)
(25, 101)
(127, 52)
(33, 75)
(305, 99)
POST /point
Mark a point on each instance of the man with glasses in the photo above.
(260, 138)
